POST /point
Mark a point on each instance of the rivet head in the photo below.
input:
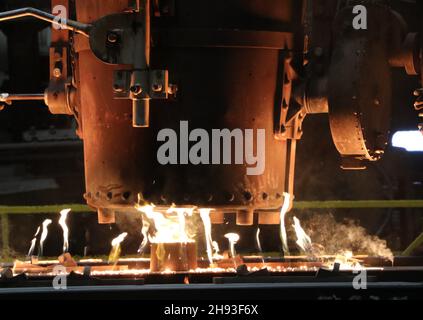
(57, 73)
(248, 196)
(136, 89)
(117, 88)
(229, 197)
(112, 37)
(126, 195)
(157, 87)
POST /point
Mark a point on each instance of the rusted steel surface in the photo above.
(218, 88)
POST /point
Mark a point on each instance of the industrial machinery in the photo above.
(140, 75)
(136, 67)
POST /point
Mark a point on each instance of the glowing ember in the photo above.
(62, 222)
(115, 252)
(233, 239)
(44, 234)
(303, 240)
(33, 242)
(284, 210)
(205, 216)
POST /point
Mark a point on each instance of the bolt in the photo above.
(117, 88)
(418, 92)
(112, 37)
(57, 73)
(229, 197)
(157, 87)
(126, 195)
(248, 196)
(136, 89)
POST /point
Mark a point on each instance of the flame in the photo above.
(62, 222)
(233, 239)
(205, 216)
(259, 244)
(303, 240)
(115, 252)
(144, 231)
(284, 210)
(170, 228)
(44, 235)
(119, 239)
(347, 261)
(216, 251)
(33, 241)
(183, 236)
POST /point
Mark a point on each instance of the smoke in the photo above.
(332, 237)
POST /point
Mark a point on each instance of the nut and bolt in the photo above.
(112, 37)
(136, 89)
(157, 87)
(418, 92)
(57, 73)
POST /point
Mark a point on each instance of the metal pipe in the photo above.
(68, 24)
(6, 97)
(147, 32)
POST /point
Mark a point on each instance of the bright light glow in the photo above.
(410, 140)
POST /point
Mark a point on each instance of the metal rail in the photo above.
(300, 205)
